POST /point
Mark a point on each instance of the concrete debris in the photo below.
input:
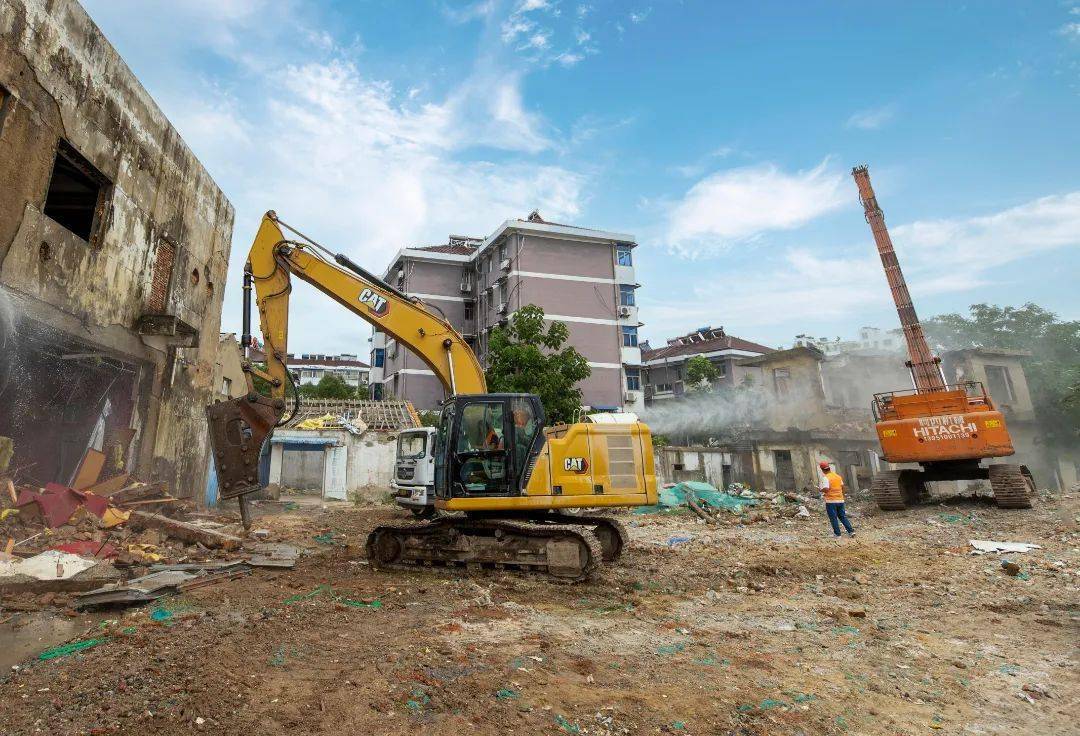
(166, 581)
(983, 546)
(274, 555)
(50, 565)
(184, 531)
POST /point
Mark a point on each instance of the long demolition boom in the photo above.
(925, 366)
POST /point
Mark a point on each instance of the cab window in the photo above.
(526, 425)
(481, 428)
(412, 444)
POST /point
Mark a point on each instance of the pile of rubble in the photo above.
(738, 504)
(114, 540)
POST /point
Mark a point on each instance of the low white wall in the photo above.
(369, 464)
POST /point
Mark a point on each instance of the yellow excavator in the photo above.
(504, 480)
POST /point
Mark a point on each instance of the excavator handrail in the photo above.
(274, 259)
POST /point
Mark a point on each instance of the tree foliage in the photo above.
(1052, 369)
(700, 374)
(330, 386)
(527, 358)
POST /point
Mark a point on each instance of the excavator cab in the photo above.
(485, 444)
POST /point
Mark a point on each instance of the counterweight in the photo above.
(924, 365)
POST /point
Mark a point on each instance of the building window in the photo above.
(502, 292)
(781, 381)
(376, 391)
(629, 337)
(999, 384)
(662, 387)
(721, 369)
(502, 251)
(633, 379)
(622, 255)
(76, 189)
(626, 295)
(470, 311)
(226, 386)
(379, 357)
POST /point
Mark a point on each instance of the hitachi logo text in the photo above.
(378, 304)
(952, 427)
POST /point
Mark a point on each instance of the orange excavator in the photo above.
(948, 429)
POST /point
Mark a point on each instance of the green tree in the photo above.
(700, 374)
(1052, 369)
(330, 386)
(527, 358)
(428, 418)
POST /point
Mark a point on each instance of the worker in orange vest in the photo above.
(832, 488)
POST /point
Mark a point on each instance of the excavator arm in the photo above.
(274, 259)
(240, 428)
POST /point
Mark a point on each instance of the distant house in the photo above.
(310, 368)
(664, 369)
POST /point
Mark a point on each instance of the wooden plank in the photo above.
(183, 531)
(110, 486)
(89, 470)
(138, 492)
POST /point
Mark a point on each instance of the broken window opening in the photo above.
(76, 193)
(633, 379)
(626, 295)
(629, 337)
(623, 256)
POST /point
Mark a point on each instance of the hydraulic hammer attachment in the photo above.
(238, 430)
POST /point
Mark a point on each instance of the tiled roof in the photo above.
(455, 250)
(727, 342)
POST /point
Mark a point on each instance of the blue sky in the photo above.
(721, 133)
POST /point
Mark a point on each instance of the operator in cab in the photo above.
(832, 488)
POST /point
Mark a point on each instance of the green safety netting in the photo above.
(674, 497)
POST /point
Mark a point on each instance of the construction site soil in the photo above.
(767, 627)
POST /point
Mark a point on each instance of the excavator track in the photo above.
(566, 552)
(1012, 486)
(895, 490)
(611, 533)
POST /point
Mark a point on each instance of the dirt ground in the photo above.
(771, 627)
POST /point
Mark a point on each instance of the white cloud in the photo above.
(945, 256)
(361, 165)
(539, 40)
(740, 204)
(568, 58)
(640, 16)
(871, 119)
(1071, 30)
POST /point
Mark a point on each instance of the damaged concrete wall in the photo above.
(64, 84)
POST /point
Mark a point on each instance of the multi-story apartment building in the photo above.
(665, 368)
(310, 368)
(579, 276)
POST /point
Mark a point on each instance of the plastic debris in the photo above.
(566, 726)
(670, 648)
(70, 648)
(676, 539)
(982, 546)
(161, 614)
(327, 538)
(506, 694)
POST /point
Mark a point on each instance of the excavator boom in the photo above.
(925, 366)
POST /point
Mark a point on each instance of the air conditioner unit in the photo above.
(629, 396)
(466, 283)
(624, 311)
(391, 349)
(505, 265)
(501, 309)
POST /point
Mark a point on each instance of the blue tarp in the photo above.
(705, 494)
